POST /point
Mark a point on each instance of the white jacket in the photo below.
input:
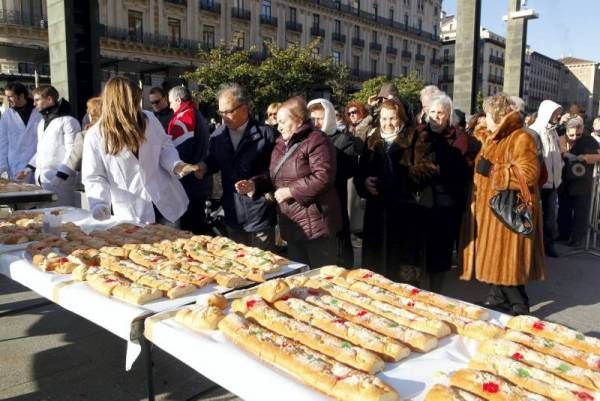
(18, 143)
(131, 185)
(549, 138)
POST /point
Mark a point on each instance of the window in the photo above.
(266, 8)
(292, 15)
(445, 71)
(406, 20)
(418, 49)
(435, 30)
(405, 44)
(240, 39)
(375, 9)
(420, 24)
(404, 70)
(390, 42)
(373, 67)
(337, 28)
(374, 36)
(446, 52)
(436, 11)
(174, 30)
(434, 54)
(136, 25)
(390, 69)
(391, 14)
(336, 57)
(356, 32)
(208, 37)
(239, 4)
(316, 20)
(355, 62)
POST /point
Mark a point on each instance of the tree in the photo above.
(282, 74)
(479, 101)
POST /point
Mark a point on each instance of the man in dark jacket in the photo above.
(241, 149)
(160, 106)
(322, 114)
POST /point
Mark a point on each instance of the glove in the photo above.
(101, 212)
(183, 169)
(57, 181)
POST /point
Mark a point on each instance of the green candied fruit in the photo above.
(261, 253)
(563, 368)
(524, 373)
(580, 337)
(346, 345)
(334, 302)
(393, 324)
(548, 344)
(328, 286)
(257, 333)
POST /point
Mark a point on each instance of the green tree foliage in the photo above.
(408, 86)
(480, 101)
(282, 74)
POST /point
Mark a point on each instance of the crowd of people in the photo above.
(416, 187)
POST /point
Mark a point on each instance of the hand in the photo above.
(373, 100)
(183, 169)
(101, 212)
(201, 171)
(565, 117)
(587, 159)
(371, 184)
(283, 194)
(245, 187)
(23, 174)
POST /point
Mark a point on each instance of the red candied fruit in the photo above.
(329, 278)
(362, 313)
(368, 275)
(63, 260)
(583, 396)
(250, 304)
(538, 325)
(312, 291)
(598, 365)
(491, 387)
(410, 304)
(341, 321)
(517, 356)
(285, 298)
(415, 291)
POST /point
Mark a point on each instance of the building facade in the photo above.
(157, 40)
(580, 81)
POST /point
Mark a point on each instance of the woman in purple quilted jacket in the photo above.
(301, 180)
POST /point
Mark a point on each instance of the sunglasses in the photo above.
(272, 114)
(350, 113)
(155, 102)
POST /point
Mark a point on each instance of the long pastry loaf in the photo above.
(222, 277)
(341, 289)
(312, 368)
(491, 387)
(415, 339)
(555, 332)
(530, 378)
(136, 293)
(444, 393)
(583, 377)
(341, 350)
(200, 317)
(386, 347)
(549, 347)
(406, 290)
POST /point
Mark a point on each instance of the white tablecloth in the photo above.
(210, 354)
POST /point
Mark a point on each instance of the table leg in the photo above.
(147, 350)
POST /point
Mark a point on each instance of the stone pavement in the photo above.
(47, 353)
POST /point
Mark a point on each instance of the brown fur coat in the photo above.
(495, 254)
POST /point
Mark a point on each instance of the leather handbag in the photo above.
(514, 208)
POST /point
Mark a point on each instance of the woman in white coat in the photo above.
(129, 162)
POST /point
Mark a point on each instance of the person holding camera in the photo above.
(581, 152)
(491, 250)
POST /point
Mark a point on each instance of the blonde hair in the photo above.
(122, 122)
(296, 106)
(498, 106)
(94, 110)
(273, 108)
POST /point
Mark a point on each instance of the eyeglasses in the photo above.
(229, 112)
(155, 102)
(352, 112)
(272, 114)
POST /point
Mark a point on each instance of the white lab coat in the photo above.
(18, 143)
(55, 146)
(131, 185)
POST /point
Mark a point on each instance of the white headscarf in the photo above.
(329, 123)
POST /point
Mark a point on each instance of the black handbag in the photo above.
(514, 208)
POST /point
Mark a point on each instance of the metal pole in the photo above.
(593, 219)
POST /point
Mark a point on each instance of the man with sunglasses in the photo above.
(160, 106)
(241, 149)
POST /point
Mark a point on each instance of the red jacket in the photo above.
(309, 173)
(183, 124)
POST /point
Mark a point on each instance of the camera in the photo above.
(575, 169)
(484, 166)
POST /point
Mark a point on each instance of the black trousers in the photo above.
(549, 203)
(315, 253)
(511, 294)
(194, 218)
(573, 216)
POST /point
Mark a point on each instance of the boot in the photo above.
(436, 281)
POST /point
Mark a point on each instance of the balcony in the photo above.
(496, 79)
(360, 75)
(406, 54)
(419, 58)
(338, 37)
(178, 2)
(293, 26)
(374, 46)
(496, 60)
(358, 42)
(448, 59)
(212, 6)
(207, 46)
(316, 31)
(446, 78)
(15, 17)
(240, 13)
(436, 61)
(268, 20)
(392, 51)
(148, 39)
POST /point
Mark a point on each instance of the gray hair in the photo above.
(429, 91)
(236, 91)
(517, 104)
(180, 92)
(444, 100)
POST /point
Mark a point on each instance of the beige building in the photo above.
(580, 81)
(542, 78)
(156, 40)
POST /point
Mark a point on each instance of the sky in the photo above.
(564, 27)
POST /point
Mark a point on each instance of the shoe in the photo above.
(576, 244)
(519, 309)
(551, 252)
(496, 304)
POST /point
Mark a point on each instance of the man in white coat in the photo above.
(18, 130)
(55, 146)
